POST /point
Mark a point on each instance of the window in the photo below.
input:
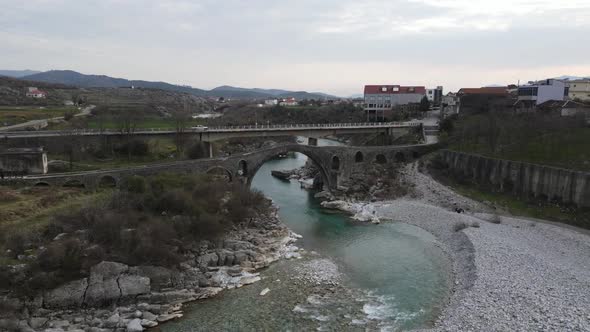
(384, 89)
(395, 89)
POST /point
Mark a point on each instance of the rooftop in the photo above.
(394, 89)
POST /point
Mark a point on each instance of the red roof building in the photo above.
(394, 89)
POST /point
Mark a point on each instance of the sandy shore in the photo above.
(515, 276)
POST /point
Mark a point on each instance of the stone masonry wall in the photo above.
(532, 180)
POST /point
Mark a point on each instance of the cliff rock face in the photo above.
(521, 178)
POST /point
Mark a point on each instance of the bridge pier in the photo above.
(312, 141)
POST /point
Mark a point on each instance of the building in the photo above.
(579, 89)
(271, 102)
(435, 95)
(380, 99)
(535, 93)
(566, 108)
(450, 104)
(289, 102)
(22, 161)
(33, 92)
(477, 100)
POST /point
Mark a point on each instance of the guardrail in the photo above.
(317, 126)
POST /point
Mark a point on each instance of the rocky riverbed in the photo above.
(117, 297)
(511, 274)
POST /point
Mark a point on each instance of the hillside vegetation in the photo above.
(151, 221)
(542, 138)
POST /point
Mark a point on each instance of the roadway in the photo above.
(217, 130)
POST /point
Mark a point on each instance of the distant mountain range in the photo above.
(18, 73)
(73, 78)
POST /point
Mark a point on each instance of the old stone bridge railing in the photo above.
(336, 164)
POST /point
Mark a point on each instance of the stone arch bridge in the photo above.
(336, 164)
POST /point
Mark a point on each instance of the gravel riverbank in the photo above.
(514, 276)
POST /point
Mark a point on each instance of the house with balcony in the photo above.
(579, 89)
(536, 93)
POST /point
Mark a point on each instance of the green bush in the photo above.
(135, 184)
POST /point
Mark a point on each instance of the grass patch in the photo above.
(16, 115)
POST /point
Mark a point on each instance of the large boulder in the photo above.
(103, 286)
(132, 285)
(68, 295)
(160, 277)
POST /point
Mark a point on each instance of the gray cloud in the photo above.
(334, 46)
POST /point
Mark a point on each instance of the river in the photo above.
(390, 276)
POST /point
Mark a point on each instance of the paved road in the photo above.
(43, 122)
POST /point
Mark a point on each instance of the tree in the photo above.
(424, 104)
(128, 119)
(181, 120)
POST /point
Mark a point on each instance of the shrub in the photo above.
(135, 184)
(475, 224)
(135, 148)
(65, 256)
(197, 150)
(15, 242)
(68, 115)
(458, 226)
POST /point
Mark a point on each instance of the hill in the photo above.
(73, 78)
(18, 73)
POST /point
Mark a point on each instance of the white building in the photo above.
(579, 89)
(289, 102)
(435, 95)
(33, 92)
(536, 93)
(271, 102)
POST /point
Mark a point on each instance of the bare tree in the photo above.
(181, 120)
(127, 120)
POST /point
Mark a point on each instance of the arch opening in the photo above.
(41, 184)
(399, 157)
(321, 179)
(107, 181)
(74, 184)
(335, 163)
(358, 157)
(220, 173)
(380, 159)
(243, 168)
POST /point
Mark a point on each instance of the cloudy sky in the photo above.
(333, 46)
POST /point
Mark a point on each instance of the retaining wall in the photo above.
(530, 180)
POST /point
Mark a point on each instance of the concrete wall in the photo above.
(19, 163)
(528, 180)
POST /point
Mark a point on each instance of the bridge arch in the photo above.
(107, 181)
(335, 165)
(399, 157)
(359, 157)
(381, 159)
(243, 168)
(320, 158)
(41, 184)
(220, 172)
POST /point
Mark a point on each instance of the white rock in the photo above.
(135, 326)
(264, 291)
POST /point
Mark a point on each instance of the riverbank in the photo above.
(116, 296)
(512, 275)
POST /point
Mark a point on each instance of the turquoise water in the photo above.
(393, 275)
